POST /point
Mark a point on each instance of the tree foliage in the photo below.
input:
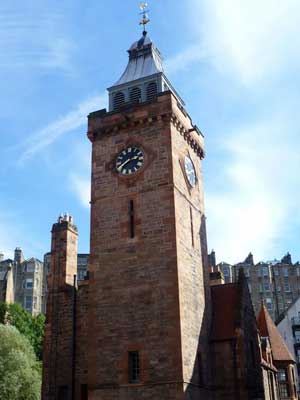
(20, 372)
(30, 326)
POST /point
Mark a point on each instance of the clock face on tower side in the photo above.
(129, 160)
(190, 171)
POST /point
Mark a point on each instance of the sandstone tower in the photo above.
(58, 355)
(148, 285)
(138, 328)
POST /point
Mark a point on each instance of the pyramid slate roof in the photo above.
(144, 60)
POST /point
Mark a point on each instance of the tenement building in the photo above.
(149, 320)
(277, 283)
(23, 282)
(289, 328)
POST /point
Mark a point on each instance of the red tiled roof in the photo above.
(225, 305)
(267, 328)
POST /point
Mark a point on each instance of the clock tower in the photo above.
(149, 297)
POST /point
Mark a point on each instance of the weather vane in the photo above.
(145, 19)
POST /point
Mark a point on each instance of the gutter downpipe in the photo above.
(74, 336)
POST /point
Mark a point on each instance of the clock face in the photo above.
(190, 171)
(129, 160)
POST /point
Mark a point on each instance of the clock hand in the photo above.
(127, 161)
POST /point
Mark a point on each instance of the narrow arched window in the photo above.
(135, 95)
(151, 91)
(119, 100)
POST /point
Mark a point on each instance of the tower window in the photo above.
(131, 219)
(119, 100)
(63, 393)
(135, 95)
(84, 392)
(134, 366)
(151, 91)
(192, 227)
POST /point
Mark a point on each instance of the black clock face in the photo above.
(129, 160)
(190, 171)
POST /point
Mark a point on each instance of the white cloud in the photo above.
(81, 186)
(256, 45)
(61, 126)
(182, 60)
(262, 191)
(80, 177)
(246, 40)
(34, 38)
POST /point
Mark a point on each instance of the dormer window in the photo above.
(135, 95)
(151, 91)
(119, 100)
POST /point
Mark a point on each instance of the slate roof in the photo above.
(268, 329)
(226, 306)
(144, 60)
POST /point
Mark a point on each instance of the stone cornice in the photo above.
(128, 122)
(188, 136)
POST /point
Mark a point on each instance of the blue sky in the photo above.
(236, 64)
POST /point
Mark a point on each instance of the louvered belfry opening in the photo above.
(119, 100)
(135, 95)
(151, 91)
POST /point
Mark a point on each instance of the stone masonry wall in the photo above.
(194, 293)
(59, 333)
(81, 338)
(134, 297)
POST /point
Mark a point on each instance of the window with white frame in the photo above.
(288, 302)
(259, 272)
(246, 272)
(28, 303)
(287, 287)
(265, 270)
(269, 304)
(30, 267)
(29, 283)
(285, 272)
(267, 285)
(81, 275)
(281, 374)
(284, 391)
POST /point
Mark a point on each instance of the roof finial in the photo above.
(145, 19)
